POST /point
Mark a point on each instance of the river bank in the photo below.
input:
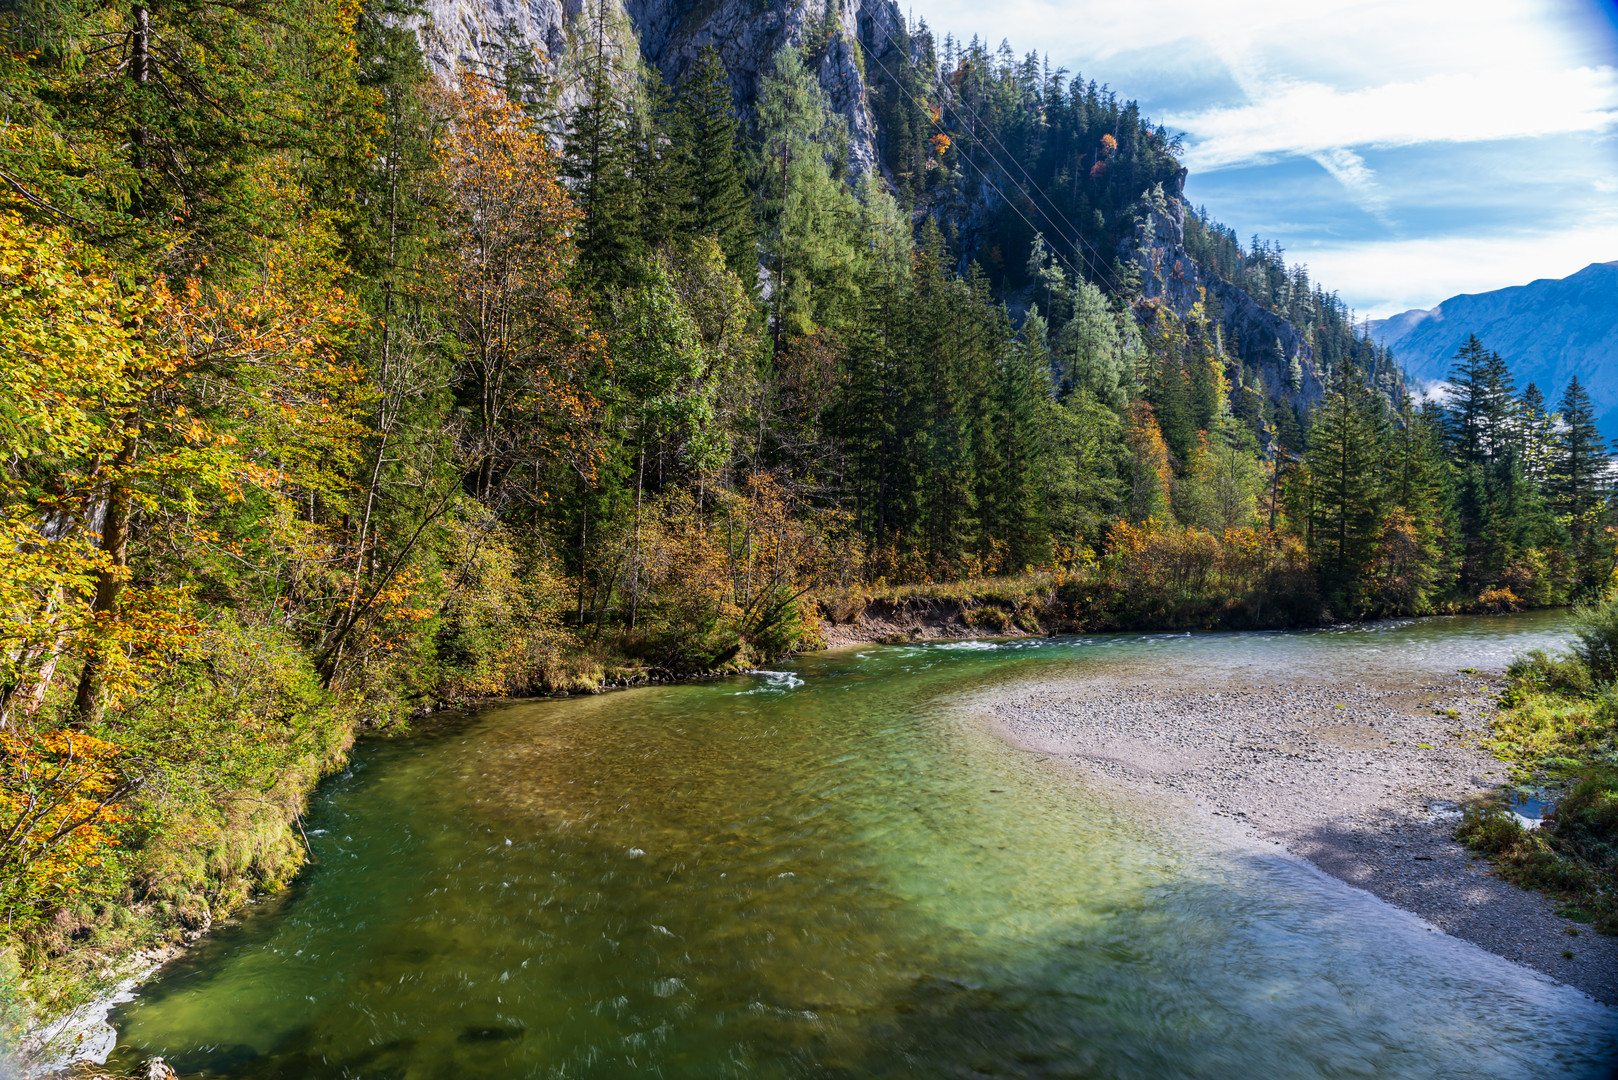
(835, 863)
(1361, 775)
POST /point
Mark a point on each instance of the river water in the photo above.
(836, 870)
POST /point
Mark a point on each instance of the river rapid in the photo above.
(838, 870)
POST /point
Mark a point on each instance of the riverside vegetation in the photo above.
(335, 395)
(1558, 728)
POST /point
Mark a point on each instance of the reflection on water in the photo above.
(832, 871)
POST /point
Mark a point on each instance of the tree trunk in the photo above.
(89, 702)
(634, 582)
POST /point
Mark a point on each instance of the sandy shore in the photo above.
(1358, 777)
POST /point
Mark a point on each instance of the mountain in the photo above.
(1118, 208)
(1549, 330)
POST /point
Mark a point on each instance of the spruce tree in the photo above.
(1581, 458)
(1346, 448)
(599, 151)
(719, 202)
(660, 174)
(1482, 403)
(1536, 437)
(1023, 396)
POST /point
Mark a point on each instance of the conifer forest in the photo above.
(337, 392)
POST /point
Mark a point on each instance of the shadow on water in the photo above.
(820, 872)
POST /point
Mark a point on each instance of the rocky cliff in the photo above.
(672, 32)
(1255, 336)
(840, 35)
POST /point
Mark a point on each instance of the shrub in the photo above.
(1587, 818)
(1538, 670)
(1595, 627)
(1490, 830)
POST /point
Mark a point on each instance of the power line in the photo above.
(977, 121)
(981, 171)
(1094, 272)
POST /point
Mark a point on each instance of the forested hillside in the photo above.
(338, 392)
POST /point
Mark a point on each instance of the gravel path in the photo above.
(1359, 778)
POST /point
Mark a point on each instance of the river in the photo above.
(837, 870)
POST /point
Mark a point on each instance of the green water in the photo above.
(837, 871)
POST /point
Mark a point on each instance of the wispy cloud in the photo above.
(1310, 119)
(1389, 276)
(1350, 170)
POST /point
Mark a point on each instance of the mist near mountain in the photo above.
(1548, 330)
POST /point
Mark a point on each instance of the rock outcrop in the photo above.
(840, 36)
(671, 33)
(1257, 337)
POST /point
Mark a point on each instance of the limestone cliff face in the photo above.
(672, 32)
(1252, 334)
(457, 30)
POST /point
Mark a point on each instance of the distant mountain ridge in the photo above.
(1548, 330)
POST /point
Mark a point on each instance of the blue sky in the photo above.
(1406, 150)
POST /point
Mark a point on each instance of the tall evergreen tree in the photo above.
(811, 220)
(1536, 437)
(720, 204)
(1481, 404)
(1577, 486)
(1346, 450)
(1016, 519)
(599, 152)
(1581, 460)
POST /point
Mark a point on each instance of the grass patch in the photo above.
(1558, 728)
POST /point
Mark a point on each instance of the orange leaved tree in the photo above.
(526, 342)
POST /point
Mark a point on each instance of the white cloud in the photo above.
(1350, 170)
(1312, 119)
(1397, 275)
(1332, 80)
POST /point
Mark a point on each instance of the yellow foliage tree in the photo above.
(527, 341)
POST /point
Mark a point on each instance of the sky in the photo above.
(1404, 150)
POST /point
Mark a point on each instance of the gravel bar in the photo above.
(1362, 779)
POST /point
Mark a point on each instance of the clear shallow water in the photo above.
(835, 871)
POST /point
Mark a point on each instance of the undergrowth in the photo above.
(1558, 729)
